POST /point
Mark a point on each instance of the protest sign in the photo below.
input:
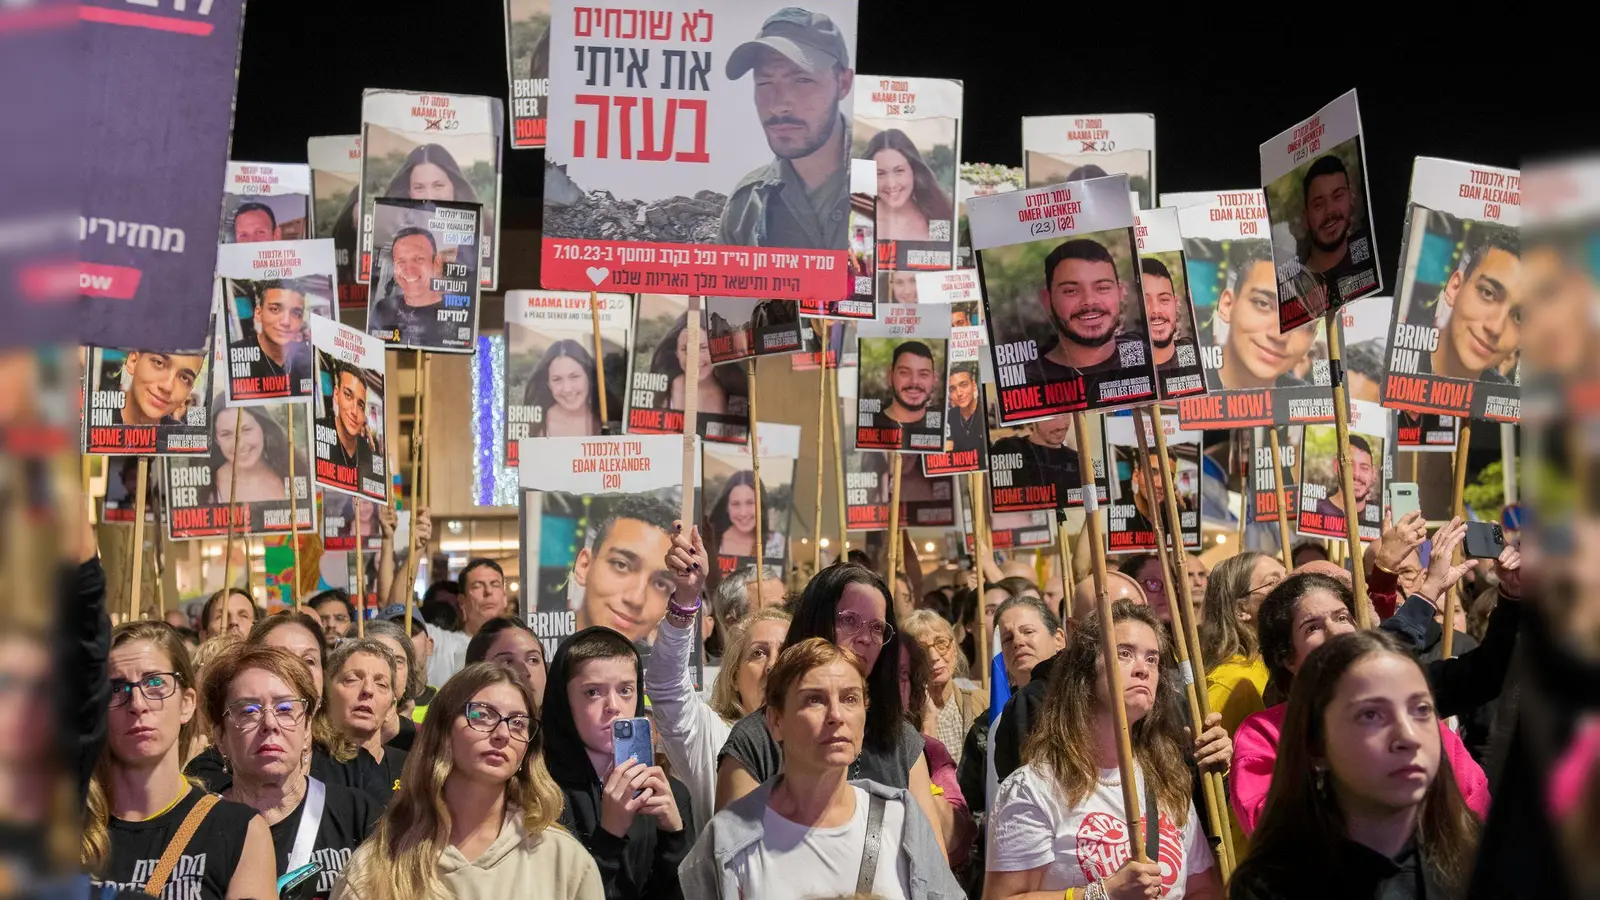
(438, 147)
(339, 513)
(670, 131)
(1167, 307)
(1425, 432)
(966, 424)
(146, 402)
(158, 99)
(1322, 511)
(528, 68)
(348, 414)
(1254, 374)
(425, 284)
(1036, 466)
(742, 328)
(268, 292)
(1454, 348)
(552, 388)
(903, 368)
(862, 263)
(1263, 478)
(119, 506)
(1063, 298)
(1314, 176)
(1008, 530)
(335, 207)
(1138, 499)
(266, 202)
(978, 180)
(841, 351)
(729, 527)
(958, 289)
(656, 387)
(1076, 148)
(910, 130)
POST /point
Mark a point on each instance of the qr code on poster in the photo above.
(463, 333)
(1320, 372)
(1130, 354)
(1359, 251)
(1186, 355)
(939, 230)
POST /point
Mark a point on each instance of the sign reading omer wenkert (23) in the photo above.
(700, 147)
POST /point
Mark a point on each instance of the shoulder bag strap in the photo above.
(874, 845)
(176, 846)
(305, 836)
(1152, 825)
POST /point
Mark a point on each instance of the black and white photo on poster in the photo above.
(348, 411)
(902, 371)
(552, 384)
(266, 202)
(1138, 495)
(1079, 147)
(729, 523)
(268, 292)
(1314, 176)
(1455, 348)
(660, 367)
(432, 146)
(1063, 298)
(336, 207)
(424, 289)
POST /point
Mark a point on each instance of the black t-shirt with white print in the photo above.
(348, 816)
(206, 866)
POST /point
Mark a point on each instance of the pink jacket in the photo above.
(1255, 751)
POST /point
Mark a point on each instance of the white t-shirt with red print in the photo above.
(1030, 827)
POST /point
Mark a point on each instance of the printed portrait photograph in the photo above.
(729, 524)
(432, 166)
(1464, 279)
(271, 317)
(916, 167)
(1046, 168)
(902, 385)
(1321, 233)
(1235, 295)
(551, 373)
(256, 218)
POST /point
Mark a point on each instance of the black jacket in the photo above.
(1349, 871)
(641, 865)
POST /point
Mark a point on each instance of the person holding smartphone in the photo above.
(633, 817)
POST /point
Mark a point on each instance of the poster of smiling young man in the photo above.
(741, 328)
(424, 289)
(597, 526)
(438, 147)
(1255, 375)
(1167, 308)
(348, 408)
(266, 202)
(701, 147)
(910, 130)
(1076, 148)
(904, 364)
(1138, 498)
(336, 207)
(1322, 511)
(924, 501)
(552, 384)
(1315, 180)
(1454, 349)
(268, 292)
(1063, 299)
(146, 402)
(729, 522)
(660, 367)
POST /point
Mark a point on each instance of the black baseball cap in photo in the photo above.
(397, 611)
(809, 40)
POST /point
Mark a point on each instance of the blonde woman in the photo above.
(475, 814)
(138, 798)
(952, 705)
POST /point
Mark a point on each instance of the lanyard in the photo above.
(310, 817)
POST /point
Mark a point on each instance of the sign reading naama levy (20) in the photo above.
(700, 147)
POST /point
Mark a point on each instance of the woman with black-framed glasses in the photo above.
(478, 765)
(260, 701)
(848, 605)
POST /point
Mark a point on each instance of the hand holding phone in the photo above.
(1403, 499)
(630, 739)
(1485, 540)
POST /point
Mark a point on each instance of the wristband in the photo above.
(682, 612)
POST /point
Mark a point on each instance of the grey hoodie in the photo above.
(708, 870)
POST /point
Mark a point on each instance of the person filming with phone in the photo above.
(633, 817)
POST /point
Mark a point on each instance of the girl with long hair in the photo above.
(909, 198)
(566, 387)
(262, 457)
(849, 605)
(1236, 677)
(476, 814)
(733, 520)
(1363, 800)
(671, 358)
(139, 799)
(509, 640)
(1059, 823)
(429, 172)
(260, 702)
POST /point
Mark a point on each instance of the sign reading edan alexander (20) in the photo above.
(676, 161)
(156, 77)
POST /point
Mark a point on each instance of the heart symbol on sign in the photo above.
(597, 275)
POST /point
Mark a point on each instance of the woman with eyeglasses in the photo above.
(474, 816)
(260, 702)
(952, 704)
(139, 801)
(1236, 676)
(509, 640)
(849, 605)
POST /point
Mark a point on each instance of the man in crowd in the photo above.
(254, 222)
(483, 597)
(157, 386)
(337, 615)
(1082, 295)
(802, 76)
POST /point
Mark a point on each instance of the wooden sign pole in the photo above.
(361, 580)
(892, 552)
(1458, 508)
(294, 518)
(1341, 423)
(838, 459)
(416, 482)
(1286, 555)
(599, 361)
(755, 470)
(691, 412)
(822, 433)
(135, 587)
(233, 505)
(980, 552)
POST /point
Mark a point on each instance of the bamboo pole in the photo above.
(822, 433)
(1287, 553)
(599, 361)
(135, 587)
(361, 579)
(838, 458)
(755, 470)
(233, 491)
(979, 554)
(416, 484)
(294, 519)
(1243, 437)
(691, 412)
(1108, 641)
(893, 551)
(427, 416)
(1458, 508)
(1341, 423)
(1185, 631)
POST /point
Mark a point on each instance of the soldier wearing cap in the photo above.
(802, 73)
